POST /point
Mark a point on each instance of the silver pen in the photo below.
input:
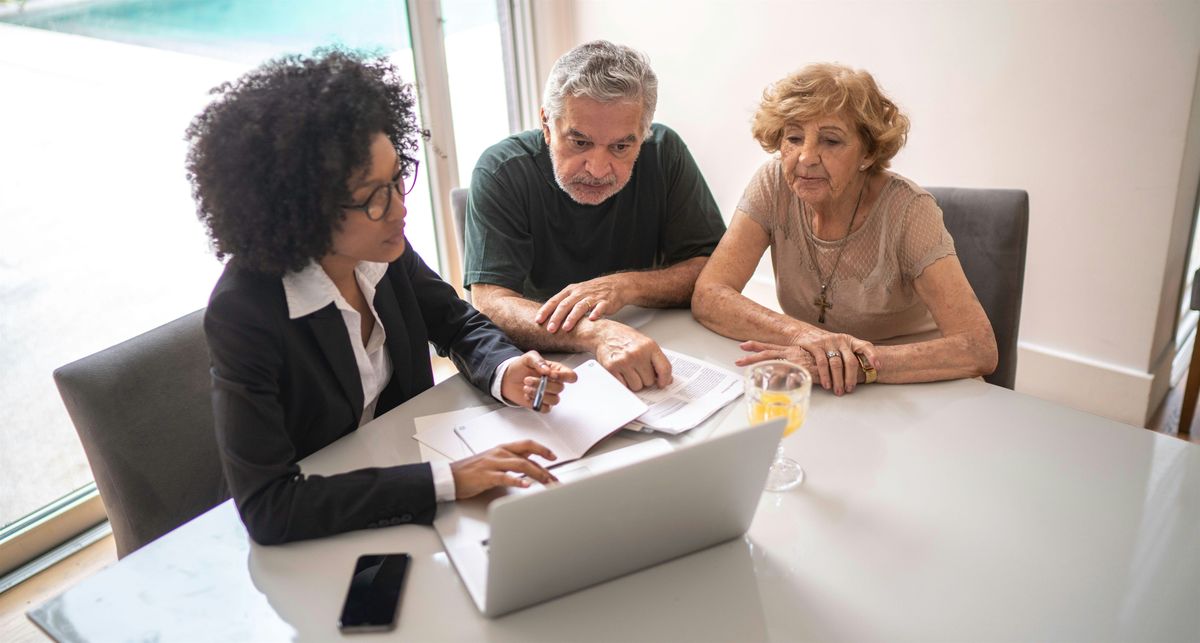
(541, 390)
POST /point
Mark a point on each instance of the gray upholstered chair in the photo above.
(990, 229)
(1191, 389)
(458, 208)
(143, 411)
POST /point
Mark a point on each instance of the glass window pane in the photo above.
(476, 69)
(98, 235)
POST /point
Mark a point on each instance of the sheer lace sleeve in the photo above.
(760, 199)
(925, 239)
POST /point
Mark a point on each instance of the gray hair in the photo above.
(602, 71)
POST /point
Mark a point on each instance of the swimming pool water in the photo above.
(239, 30)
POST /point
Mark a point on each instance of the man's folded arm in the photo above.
(515, 315)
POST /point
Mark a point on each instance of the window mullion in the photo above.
(520, 63)
(433, 92)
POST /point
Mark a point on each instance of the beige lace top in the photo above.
(872, 290)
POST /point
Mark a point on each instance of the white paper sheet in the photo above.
(591, 409)
(437, 431)
(698, 390)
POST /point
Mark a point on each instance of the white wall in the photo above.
(1084, 104)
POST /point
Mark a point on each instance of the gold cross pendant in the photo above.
(823, 303)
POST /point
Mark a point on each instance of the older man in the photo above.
(597, 210)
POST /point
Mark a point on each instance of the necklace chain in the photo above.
(822, 300)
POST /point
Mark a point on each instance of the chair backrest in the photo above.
(1195, 305)
(990, 230)
(143, 411)
(458, 207)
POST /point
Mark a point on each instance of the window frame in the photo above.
(48, 527)
(433, 91)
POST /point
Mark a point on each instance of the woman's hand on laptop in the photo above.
(521, 381)
(494, 468)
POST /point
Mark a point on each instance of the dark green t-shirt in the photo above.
(523, 232)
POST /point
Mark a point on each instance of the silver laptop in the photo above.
(612, 514)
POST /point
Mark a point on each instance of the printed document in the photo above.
(436, 431)
(590, 410)
(698, 390)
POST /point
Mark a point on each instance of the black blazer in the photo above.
(284, 388)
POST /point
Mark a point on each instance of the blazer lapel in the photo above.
(388, 307)
(330, 330)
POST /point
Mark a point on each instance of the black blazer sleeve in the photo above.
(283, 389)
(457, 329)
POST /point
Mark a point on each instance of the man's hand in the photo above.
(522, 377)
(632, 358)
(593, 298)
(483, 471)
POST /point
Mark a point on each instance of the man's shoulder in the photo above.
(521, 147)
(662, 136)
(663, 148)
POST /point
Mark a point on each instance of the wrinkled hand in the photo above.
(493, 468)
(594, 298)
(633, 358)
(521, 381)
(840, 372)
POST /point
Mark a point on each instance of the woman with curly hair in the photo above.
(865, 270)
(322, 318)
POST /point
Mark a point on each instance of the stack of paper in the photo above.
(590, 410)
(697, 390)
(437, 431)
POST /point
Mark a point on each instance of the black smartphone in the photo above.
(374, 595)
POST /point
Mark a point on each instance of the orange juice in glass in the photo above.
(771, 405)
(779, 389)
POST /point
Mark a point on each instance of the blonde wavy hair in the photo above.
(825, 89)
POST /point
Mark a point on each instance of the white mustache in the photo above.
(593, 182)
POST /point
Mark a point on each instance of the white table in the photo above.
(948, 511)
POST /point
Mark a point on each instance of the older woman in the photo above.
(323, 316)
(865, 271)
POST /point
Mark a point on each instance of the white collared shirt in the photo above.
(311, 289)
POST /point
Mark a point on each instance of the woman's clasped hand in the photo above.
(831, 358)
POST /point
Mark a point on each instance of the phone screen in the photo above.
(374, 595)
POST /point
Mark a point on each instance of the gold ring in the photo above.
(870, 375)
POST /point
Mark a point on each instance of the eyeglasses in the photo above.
(377, 205)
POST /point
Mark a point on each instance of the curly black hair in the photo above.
(271, 156)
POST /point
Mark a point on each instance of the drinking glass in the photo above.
(779, 389)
